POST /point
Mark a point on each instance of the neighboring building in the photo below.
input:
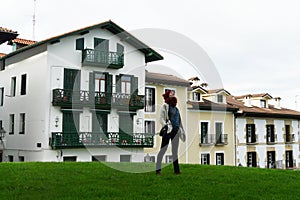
(78, 96)
(7, 35)
(267, 135)
(20, 43)
(207, 120)
(156, 85)
(210, 127)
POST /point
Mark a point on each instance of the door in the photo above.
(71, 85)
(101, 47)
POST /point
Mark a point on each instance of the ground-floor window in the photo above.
(21, 158)
(219, 158)
(169, 159)
(149, 158)
(251, 159)
(10, 158)
(125, 158)
(70, 159)
(101, 158)
(205, 159)
(289, 162)
(271, 159)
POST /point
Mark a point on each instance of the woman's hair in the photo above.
(173, 101)
(166, 96)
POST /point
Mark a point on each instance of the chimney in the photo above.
(277, 103)
(247, 100)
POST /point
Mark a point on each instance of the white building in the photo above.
(78, 96)
(267, 135)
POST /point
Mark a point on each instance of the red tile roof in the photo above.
(255, 111)
(2, 54)
(22, 41)
(209, 105)
(7, 30)
(253, 95)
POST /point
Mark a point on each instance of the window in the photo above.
(101, 158)
(126, 85)
(149, 158)
(23, 84)
(263, 103)
(1, 96)
(270, 133)
(80, 44)
(169, 159)
(289, 162)
(69, 158)
(13, 86)
(21, 158)
(150, 100)
(251, 159)
(288, 136)
(196, 96)
(250, 131)
(10, 158)
(11, 124)
(219, 158)
(219, 132)
(271, 159)
(205, 159)
(99, 82)
(150, 127)
(204, 133)
(125, 158)
(1, 127)
(22, 123)
(220, 98)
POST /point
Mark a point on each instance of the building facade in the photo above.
(267, 135)
(78, 96)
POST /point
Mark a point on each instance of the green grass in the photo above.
(98, 181)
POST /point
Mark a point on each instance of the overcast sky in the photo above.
(254, 44)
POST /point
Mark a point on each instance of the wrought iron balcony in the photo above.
(90, 139)
(212, 139)
(102, 58)
(70, 98)
(289, 138)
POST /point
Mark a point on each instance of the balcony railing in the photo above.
(289, 138)
(90, 139)
(70, 98)
(212, 139)
(102, 58)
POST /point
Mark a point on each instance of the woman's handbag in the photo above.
(166, 129)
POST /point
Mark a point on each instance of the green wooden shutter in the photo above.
(134, 85)
(120, 49)
(71, 79)
(108, 87)
(118, 83)
(80, 44)
(92, 87)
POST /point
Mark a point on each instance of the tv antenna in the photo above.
(33, 20)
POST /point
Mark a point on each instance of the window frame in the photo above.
(11, 124)
(150, 99)
(270, 133)
(250, 136)
(22, 123)
(1, 96)
(205, 159)
(13, 86)
(23, 84)
(208, 131)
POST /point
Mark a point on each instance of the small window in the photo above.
(13, 86)
(125, 158)
(22, 123)
(23, 84)
(169, 159)
(21, 158)
(80, 44)
(1, 96)
(1, 127)
(150, 100)
(11, 124)
(205, 159)
(101, 158)
(263, 103)
(70, 158)
(150, 127)
(10, 158)
(196, 96)
(220, 159)
(220, 98)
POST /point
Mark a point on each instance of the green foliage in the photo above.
(98, 181)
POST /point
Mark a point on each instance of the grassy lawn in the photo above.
(97, 181)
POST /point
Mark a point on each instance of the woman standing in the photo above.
(169, 111)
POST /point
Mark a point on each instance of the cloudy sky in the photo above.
(254, 44)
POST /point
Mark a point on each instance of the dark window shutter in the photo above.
(120, 49)
(118, 83)
(208, 159)
(23, 84)
(134, 85)
(80, 44)
(92, 86)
